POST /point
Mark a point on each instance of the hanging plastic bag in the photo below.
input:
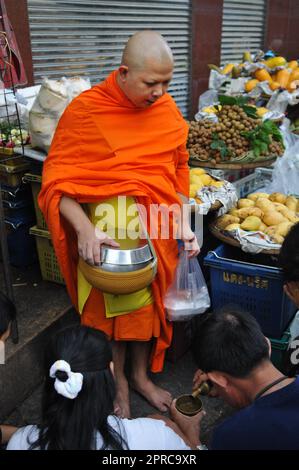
(188, 295)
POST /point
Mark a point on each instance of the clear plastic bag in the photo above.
(188, 295)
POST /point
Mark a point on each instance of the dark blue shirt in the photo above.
(271, 422)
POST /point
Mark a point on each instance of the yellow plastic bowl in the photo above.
(118, 282)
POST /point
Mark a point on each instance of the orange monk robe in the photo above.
(104, 147)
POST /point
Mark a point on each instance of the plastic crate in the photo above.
(251, 183)
(47, 259)
(18, 209)
(21, 246)
(35, 182)
(255, 288)
(17, 194)
(11, 173)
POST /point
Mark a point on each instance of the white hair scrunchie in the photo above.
(73, 384)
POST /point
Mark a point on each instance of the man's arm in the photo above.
(7, 431)
(90, 239)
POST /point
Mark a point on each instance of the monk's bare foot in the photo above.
(122, 401)
(156, 396)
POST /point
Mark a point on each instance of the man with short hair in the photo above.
(232, 352)
(127, 137)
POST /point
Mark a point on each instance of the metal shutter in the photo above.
(242, 28)
(75, 37)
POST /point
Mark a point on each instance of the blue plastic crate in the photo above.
(21, 245)
(255, 288)
(19, 209)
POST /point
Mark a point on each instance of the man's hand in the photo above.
(189, 425)
(292, 291)
(199, 378)
(89, 243)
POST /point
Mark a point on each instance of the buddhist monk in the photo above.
(125, 137)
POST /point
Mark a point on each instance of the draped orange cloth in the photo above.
(104, 147)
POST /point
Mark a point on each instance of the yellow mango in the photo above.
(206, 179)
(283, 228)
(227, 69)
(251, 223)
(278, 197)
(275, 62)
(274, 85)
(273, 218)
(231, 227)
(197, 171)
(262, 227)
(225, 220)
(261, 111)
(255, 196)
(217, 184)
(276, 238)
(247, 211)
(195, 179)
(262, 75)
(234, 212)
(251, 84)
(293, 64)
(291, 203)
(245, 203)
(193, 190)
(283, 77)
(264, 204)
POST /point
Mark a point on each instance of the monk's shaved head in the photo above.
(146, 69)
(145, 47)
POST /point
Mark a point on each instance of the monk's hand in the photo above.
(89, 243)
(190, 242)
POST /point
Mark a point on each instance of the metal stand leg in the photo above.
(6, 269)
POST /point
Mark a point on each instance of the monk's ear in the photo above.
(123, 72)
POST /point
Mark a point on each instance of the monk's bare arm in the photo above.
(74, 214)
(89, 238)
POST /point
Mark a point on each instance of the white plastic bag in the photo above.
(50, 103)
(188, 295)
(286, 172)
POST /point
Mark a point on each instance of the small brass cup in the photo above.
(190, 405)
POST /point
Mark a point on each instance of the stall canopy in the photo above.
(71, 37)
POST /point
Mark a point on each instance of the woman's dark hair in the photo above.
(72, 424)
(229, 341)
(7, 313)
(289, 255)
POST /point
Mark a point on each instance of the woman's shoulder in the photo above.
(22, 438)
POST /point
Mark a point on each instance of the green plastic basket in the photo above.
(279, 349)
(35, 182)
(47, 259)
